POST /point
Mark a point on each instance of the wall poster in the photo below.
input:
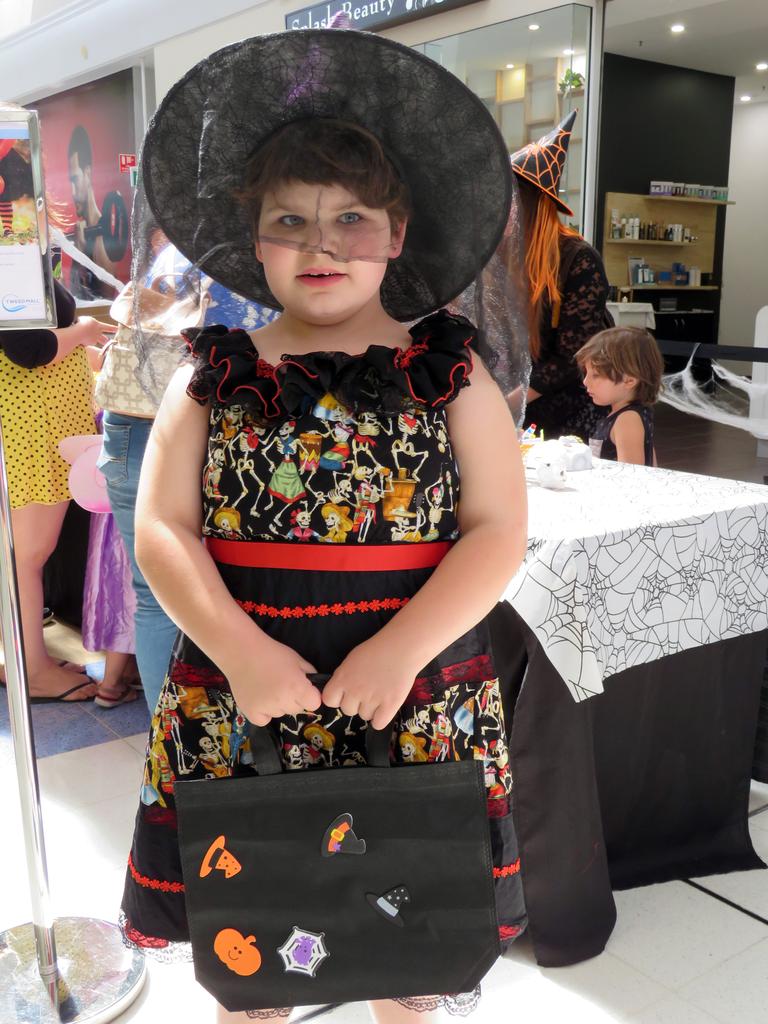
(85, 131)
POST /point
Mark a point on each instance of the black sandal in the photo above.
(61, 698)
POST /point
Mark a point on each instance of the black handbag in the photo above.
(338, 885)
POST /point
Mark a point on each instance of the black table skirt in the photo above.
(760, 763)
(647, 782)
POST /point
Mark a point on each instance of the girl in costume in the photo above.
(568, 290)
(310, 214)
(622, 370)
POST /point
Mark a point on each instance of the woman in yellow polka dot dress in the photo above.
(46, 394)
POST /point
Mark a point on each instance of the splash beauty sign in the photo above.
(368, 14)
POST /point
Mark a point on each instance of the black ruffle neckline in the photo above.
(428, 374)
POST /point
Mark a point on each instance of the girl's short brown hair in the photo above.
(325, 151)
(626, 351)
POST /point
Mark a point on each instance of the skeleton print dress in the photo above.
(334, 452)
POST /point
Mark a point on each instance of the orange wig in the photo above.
(544, 233)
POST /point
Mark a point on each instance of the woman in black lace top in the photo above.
(557, 400)
(568, 291)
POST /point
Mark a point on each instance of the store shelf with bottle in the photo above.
(690, 227)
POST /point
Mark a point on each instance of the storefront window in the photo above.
(529, 78)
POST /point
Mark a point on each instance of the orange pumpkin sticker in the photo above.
(225, 862)
(237, 952)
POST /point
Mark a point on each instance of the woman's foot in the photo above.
(110, 695)
(55, 682)
(72, 666)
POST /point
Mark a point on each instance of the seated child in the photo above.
(622, 369)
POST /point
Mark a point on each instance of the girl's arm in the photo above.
(267, 678)
(375, 678)
(85, 332)
(628, 434)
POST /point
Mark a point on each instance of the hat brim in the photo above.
(442, 139)
(562, 207)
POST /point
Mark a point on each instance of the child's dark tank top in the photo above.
(603, 447)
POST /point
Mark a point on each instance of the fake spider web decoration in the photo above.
(734, 402)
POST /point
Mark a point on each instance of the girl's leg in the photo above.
(409, 1011)
(113, 688)
(225, 1017)
(36, 529)
(383, 1011)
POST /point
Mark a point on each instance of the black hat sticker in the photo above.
(340, 838)
(390, 903)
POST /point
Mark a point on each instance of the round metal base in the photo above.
(98, 976)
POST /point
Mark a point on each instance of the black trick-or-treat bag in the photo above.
(318, 887)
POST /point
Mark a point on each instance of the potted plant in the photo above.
(571, 80)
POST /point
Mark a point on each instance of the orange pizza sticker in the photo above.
(225, 861)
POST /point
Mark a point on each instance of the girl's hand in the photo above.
(269, 679)
(371, 683)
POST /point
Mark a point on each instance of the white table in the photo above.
(628, 565)
(631, 656)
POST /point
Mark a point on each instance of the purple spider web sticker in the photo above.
(303, 951)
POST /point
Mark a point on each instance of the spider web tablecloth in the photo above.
(630, 564)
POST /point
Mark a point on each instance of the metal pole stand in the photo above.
(78, 971)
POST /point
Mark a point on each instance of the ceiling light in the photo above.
(745, 99)
(569, 53)
(510, 66)
(534, 28)
(677, 28)
(762, 66)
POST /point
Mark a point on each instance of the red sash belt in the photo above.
(330, 558)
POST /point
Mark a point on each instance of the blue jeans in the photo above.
(125, 438)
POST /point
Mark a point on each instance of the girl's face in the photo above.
(604, 391)
(325, 254)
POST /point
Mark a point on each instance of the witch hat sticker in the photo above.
(340, 838)
(389, 904)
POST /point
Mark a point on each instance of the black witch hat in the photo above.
(439, 136)
(541, 163)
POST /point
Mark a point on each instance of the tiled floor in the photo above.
(680, 954)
